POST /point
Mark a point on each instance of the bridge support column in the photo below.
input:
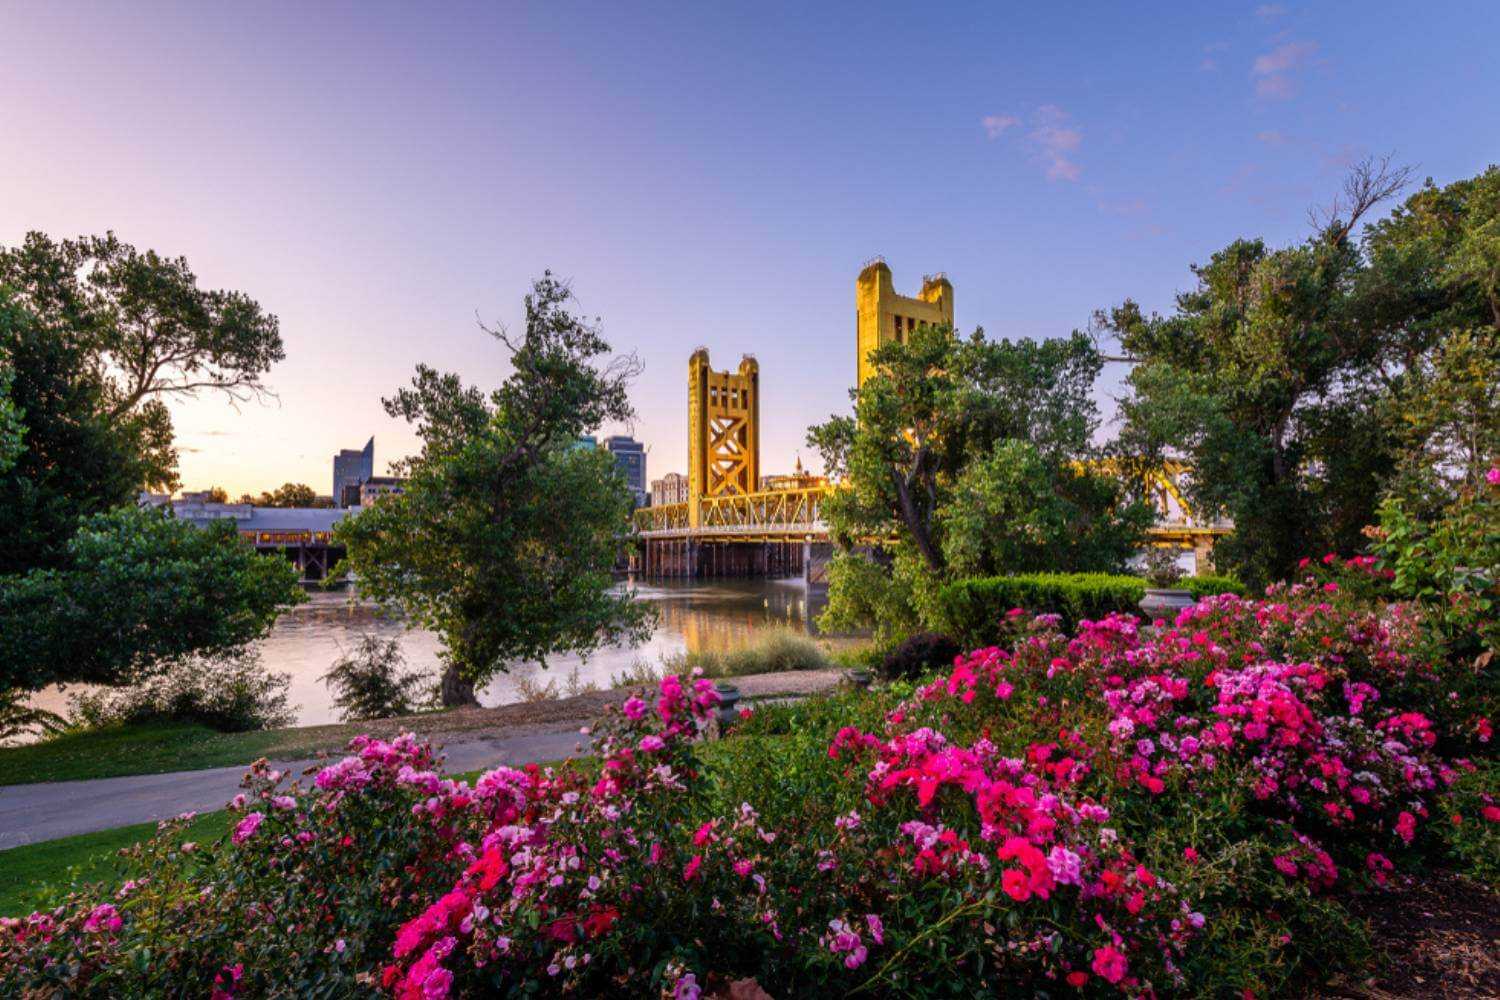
(815, 559)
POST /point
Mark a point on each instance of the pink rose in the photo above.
(1110, 963)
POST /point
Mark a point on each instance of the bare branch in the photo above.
(1368, 183)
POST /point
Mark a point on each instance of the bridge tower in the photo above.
(882, 316)
(723, 431)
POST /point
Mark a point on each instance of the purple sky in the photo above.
(705, 174)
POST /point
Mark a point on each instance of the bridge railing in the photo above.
(795, 511)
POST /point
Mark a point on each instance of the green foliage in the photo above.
(1474, 839)
(973, 610)
(76, 460)
(289, 495)
(145, 330)
(505, 538)
(1451, 563)
(12, 431)
(230, 692)
(1209, 584)
(370, 681)
(139, 591)
(968, 453)
(1012, 512)
(36, 876)
(1305, 382)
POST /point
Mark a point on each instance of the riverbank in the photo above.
(167, 747)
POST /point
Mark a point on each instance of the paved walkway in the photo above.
(33, 813)
(543, 731)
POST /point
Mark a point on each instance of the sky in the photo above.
(385, 177)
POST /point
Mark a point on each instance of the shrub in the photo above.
(919, 654)
(231, 692)
(1115, 811)
(972, 610)
(371, 681)
(1210, 585)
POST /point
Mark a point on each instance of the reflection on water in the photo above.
(718, 615)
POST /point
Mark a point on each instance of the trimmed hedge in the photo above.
(973, 609)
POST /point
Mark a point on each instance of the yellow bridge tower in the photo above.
(723, 432)
(882, 316)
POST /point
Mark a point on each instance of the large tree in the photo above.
(505, 537)
(137, 591)
(970, 456)
(1297, 379)
(76, 460)
(98, 335)
(12, 431)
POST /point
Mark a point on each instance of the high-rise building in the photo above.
(882, 316)
(351, 469)
(630, 458)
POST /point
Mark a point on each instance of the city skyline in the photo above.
(383, 178)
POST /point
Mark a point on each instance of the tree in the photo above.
(138, 591)
(76, 460)
(971, 454)
(1296, 380)
(504, 540)
(12, 431)
(142, 329)
(287, 495)
(216, 494)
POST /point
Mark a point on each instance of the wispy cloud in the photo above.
(1270, 11)
(1271, 137)
(1275, 71)
(1055, 140)
(1210, 61)
(995, 125)
(1129, 206)
(1050, 137)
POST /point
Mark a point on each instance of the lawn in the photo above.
(35, 874)
(159, 747)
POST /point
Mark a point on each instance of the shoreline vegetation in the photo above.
(164, 746)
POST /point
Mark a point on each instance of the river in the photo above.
(718, 615)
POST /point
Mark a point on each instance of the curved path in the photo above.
(47, 810)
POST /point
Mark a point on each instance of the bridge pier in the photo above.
(694, 559)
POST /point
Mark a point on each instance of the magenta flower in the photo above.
(1110, 963)
(247, 827)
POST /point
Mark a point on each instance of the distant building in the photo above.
(352, 468)
(671, 488)
(630, 459)
(801, 479)
(586, 441)
(376, 487)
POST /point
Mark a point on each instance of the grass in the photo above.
(774, 650)
(155, 748)
(35, 875)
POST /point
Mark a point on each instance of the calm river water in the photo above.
(719, 615)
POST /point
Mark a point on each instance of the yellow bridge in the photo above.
(731, 525)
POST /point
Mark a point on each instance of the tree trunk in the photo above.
(455, 691)
(919, 533)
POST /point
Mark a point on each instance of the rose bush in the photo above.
(1125, 810)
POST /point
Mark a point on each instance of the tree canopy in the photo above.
(142, 330)
(138, 591)
(288, 495)
(1296, 379)
(505, 537)
(972, 455)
